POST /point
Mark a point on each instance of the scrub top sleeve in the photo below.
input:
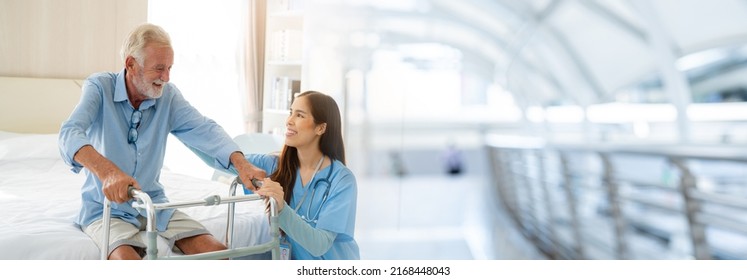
(315, 241)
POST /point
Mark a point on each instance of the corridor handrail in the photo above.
(515, 187)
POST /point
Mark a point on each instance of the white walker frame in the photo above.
(143, 201)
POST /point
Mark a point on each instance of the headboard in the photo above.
(36, 105)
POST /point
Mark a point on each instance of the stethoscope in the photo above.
(309, 218)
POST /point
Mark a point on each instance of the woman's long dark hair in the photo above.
(324, 110)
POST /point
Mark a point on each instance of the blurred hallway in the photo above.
(435, 217)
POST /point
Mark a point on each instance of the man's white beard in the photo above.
(147, 88)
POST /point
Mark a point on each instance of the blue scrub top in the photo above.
(337, 214)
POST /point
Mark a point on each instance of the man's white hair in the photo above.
(140, 37)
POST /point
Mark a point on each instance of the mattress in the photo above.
(40, 199)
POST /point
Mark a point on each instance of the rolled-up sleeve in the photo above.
(72, 135)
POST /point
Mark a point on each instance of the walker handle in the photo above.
(131, 191)
(256, 182)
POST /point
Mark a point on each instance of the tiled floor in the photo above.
(434, 217)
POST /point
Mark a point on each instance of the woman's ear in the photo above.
(320, 129)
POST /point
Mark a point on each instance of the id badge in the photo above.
(285, 249)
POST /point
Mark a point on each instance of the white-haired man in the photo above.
(117, 134)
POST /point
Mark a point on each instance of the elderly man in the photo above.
(118, 133)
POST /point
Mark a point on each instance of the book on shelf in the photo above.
(283, 92)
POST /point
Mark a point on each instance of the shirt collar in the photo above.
(120, 92)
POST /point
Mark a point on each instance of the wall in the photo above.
(65, 39)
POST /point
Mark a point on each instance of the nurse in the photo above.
(316, 192)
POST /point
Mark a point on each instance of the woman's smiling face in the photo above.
(301, 128)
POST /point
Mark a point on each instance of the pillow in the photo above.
(27, 146)
(6, 134)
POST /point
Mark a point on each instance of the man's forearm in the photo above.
(95, 162)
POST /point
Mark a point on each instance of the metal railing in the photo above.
(605, 201)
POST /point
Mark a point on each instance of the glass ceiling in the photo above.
(547, 53)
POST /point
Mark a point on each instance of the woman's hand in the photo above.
(273, 189)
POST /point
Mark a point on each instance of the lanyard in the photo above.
(303, 198)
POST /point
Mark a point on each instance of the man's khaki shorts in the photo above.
(123, 233)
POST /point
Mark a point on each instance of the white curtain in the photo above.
(255, 63)
(214, 66)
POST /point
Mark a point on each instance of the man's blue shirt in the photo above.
(102, 120)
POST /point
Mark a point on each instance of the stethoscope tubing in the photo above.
(314, 218)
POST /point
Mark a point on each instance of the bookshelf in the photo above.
(284, 62)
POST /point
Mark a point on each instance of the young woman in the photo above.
(316, 192)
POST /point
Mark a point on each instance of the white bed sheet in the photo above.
(40, 198)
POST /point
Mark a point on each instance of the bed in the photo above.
(40, 196)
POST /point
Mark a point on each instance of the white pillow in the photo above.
(26, 146)
(6, 135)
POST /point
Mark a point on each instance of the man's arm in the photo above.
(246, 170)
(114, 182)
